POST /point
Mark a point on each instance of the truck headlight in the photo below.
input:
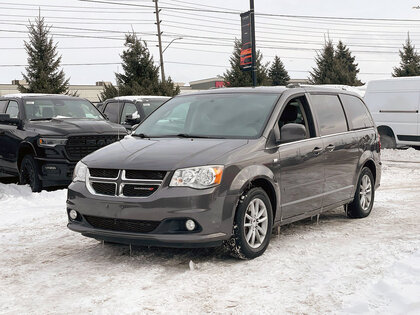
(197, 177)
(80, 172)
(51, 142)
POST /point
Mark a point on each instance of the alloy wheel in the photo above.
(365, 192)
(256, 223)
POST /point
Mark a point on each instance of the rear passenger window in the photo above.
(2, 106)
(112, 111)
(329, 113)
(357, 113)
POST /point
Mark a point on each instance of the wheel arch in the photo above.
(386, 130)
(24, 149)
(258, 176)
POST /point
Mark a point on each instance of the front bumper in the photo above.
(212, 211)
(55, 172)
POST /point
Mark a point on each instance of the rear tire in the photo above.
(28, 174)
(252, 226)
(364, 196)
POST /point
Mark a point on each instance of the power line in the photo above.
(258, 14)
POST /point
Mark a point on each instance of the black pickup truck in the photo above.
(42, 137)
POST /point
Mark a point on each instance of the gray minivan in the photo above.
(225, 166)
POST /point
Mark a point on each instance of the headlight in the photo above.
(51, 142)
(198, 177)
(80, 172)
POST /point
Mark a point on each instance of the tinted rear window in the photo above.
(3, 106)
(329, 113)
(357, 113)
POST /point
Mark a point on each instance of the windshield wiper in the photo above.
(140, 135)
(185, 135)
(38, 119)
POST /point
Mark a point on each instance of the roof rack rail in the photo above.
(293, 85)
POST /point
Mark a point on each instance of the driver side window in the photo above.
(297, 112)
(129, 109)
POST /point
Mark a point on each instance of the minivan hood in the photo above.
(67, 126)
(161, 154)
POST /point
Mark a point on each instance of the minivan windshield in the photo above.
(233, 115)
(48, 108)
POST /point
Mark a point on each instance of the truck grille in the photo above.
(121, 225)
(77, 147)
(124, 183)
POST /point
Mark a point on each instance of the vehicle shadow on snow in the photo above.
(181, 257)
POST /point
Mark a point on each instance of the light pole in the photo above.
(171, 43)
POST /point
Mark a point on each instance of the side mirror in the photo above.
(292, 132)
(6, 120)
(130, 120)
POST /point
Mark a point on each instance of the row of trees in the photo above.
(140, 76)
(334, 65)
(43, 74)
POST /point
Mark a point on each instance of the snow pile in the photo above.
(339, 265)
(409, 155)
(398, 292)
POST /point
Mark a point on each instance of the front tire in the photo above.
(28, 174)
(252, 226)
(364, 196)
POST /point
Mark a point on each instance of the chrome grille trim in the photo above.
(120, 182)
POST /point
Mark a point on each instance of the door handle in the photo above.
(330, 147)
(317, 150)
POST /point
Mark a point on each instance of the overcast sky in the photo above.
(207, 37)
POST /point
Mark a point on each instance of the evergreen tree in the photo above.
(324, 71)
(42, 73)
(345, 67)
(410, 61)
(235, 77)
(140, 75)
(277, 73)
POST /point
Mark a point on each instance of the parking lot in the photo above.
(336, 264)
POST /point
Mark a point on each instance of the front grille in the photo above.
(133, 190)
(77, 147)
(124, 183)
(108, 189)
(121, 225)
(103, 173)
(135, 174)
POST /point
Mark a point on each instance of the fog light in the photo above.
(73, 214)
(190, 225)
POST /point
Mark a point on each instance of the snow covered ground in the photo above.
(369, 266)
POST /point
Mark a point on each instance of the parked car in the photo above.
(224, 166)
(395, 104)
(130, 110)
(42, 137)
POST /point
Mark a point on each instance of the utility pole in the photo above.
(158, 21)
(254, 54)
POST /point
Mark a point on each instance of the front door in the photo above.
(301, 163)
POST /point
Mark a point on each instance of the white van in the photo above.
(394, 104)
